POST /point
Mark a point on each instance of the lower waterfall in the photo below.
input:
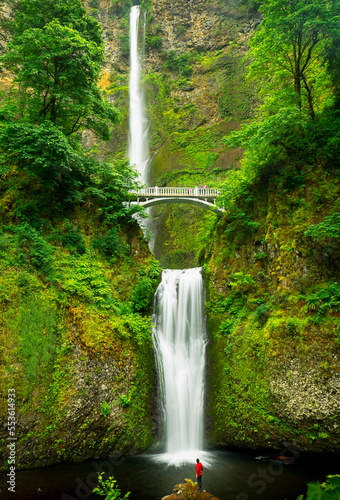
(180, 340)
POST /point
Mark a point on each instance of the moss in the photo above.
(71, 342)
(268, 316)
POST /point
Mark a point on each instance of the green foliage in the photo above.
(124, 45)
(325, 298)
(140, 328)
(109, 244)
(56, 53)
(143, 294)
(105, 409)
(32, 249)
(108, 190)
(328, 228)
(44, 175)
(284, 136)
(239, 221)
(288, 44)
(108, 488)
(73, 239)
(125, 401)
(145, 287)
(33, 325)
(180, 63)
(328, 490)
(227, 326)
(153, 40)
(121, 8)
(242, 283)
(39, 169)
(262, 314)
(238, 97)
(85, 279)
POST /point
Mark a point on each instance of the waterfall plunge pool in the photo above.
(230, 475)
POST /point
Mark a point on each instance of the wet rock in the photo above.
(189, 489)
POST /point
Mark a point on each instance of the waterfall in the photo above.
(138, 154)
(180, 338)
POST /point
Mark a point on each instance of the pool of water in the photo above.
(230, 475)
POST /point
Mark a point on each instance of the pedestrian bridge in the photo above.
(200, 196)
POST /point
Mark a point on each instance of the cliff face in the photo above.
(76, 356)
(273, 311)
(195, 92)
(274, 351)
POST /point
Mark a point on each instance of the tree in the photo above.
(44, 175)
(55, 53)
(289, 47)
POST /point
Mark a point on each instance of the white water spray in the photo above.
(138, 154)
(180, 339)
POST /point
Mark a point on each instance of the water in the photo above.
(231, 475)
(180, 338)
(138, 153)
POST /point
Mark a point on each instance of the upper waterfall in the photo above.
(138, 154)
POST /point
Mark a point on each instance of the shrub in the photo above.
(105, 409)
(180, 63)
(125, 401)
(325, 298)
(155, 42)
(262, 314)
(85, 278)
(328, 228)
(74, 240)
(143, 294)
(33, 248)
(227, 326)
(108, 488)
(109, 244)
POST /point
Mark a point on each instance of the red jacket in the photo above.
(199, 469)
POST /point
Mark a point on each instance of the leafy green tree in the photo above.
(43, 175)
(290, 54)
(56, 52)
(288, 50)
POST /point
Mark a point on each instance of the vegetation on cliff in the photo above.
(273, 270)
(76, 274)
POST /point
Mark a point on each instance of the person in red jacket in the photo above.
(199, 470)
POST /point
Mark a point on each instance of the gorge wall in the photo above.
(273, 316)
(76, 344)
(274, 351)
(195, 88)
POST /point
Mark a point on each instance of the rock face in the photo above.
(85, 386)
(274, 323)
(195, 93)
(274, 370)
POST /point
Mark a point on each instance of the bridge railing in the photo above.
(177, 191)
